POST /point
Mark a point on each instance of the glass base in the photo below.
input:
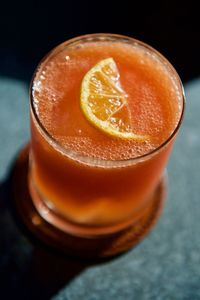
(80, 246)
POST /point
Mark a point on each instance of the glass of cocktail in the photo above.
(105, 111)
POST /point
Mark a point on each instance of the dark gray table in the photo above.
(166, 265)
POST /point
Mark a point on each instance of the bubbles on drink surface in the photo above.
(105, 150)
(150, 88)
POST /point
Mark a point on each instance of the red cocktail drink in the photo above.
(83, 180)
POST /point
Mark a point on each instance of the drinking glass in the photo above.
(86, 196)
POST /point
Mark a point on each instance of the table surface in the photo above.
(166, 265)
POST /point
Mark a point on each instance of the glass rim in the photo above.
(89, 159)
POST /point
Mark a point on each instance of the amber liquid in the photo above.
(88, 178)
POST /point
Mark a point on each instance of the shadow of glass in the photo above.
(28, 269)
(46, 274)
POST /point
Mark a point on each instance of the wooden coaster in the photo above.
(101, 247)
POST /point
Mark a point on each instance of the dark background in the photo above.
(29, 29)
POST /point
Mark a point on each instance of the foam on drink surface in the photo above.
(154, 99)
